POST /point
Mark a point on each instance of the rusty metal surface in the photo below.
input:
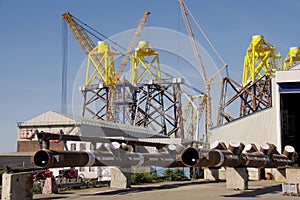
(108, 155)
(267, 157)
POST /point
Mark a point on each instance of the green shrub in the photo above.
(1, 172)
(36, 189)
(139, 177)
(174, 175)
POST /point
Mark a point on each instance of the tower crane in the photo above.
(207, 81)
(192, 113)
(116, 78)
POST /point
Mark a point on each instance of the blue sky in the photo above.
(31, 42)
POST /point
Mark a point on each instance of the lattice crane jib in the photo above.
(145, 60)
(260, 60)
(101, 65)
(114, 94)
(199, 60)
(192, 114)
(79, 33)
(292, 57)
(131, 46)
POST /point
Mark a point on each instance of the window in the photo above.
(92, 169)
(82, 169)
(73, 146)
(82, 146)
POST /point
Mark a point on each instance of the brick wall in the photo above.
(30, 146)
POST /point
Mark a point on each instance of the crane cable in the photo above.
(208, 41)
(101, 34)
(64, 67)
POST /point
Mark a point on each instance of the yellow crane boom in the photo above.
(79, 33)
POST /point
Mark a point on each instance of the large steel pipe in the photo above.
(52, 159)
(267, 157)
(194, 157)
(48, 158)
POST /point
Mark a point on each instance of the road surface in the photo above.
(188, 190)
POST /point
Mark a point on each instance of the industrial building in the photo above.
(148, 109)
(55, 122)
(277, 124)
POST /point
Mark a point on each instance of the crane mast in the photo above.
(201, 66)
(113, 94)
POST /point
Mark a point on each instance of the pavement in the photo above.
(258, 190)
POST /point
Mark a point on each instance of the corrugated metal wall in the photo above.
(258, 128)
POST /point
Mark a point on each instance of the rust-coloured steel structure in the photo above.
(220, 156)
(108, 155)
(158, 104)
(123, 155)
(152, 104)
(254, 96)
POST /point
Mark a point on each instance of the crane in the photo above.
(131, 45)
(101, 63)
(108, 76)
(113, 95)
(79, 33)
(207, 81)
(88, 47)
(192, 113)
(86, 44)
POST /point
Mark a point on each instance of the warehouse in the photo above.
(54, 122)
(277, 124)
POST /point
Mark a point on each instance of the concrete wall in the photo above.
(17, 186)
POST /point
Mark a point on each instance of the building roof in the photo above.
(49, 118)
(88, 127)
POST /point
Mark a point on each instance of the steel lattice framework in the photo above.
(95, 102)
(254, 96)
(260, 60)
(292, 57)
(145, 60)
(159, 106)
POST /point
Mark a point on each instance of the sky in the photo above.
(31, 42)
